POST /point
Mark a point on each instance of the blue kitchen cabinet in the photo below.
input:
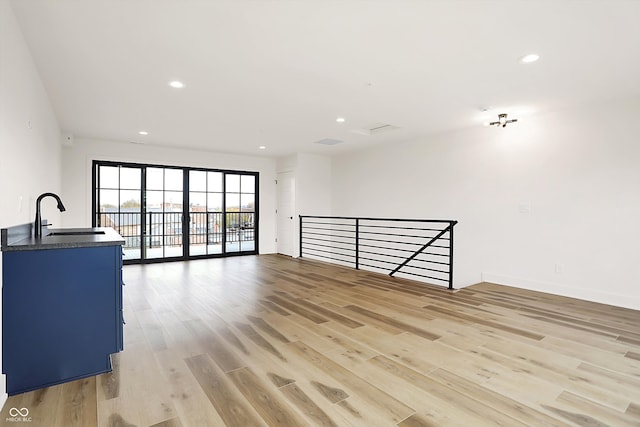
(61, 314)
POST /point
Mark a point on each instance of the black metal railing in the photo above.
(417, 248)
(165, 228)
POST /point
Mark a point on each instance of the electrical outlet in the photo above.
(524, 208)
(19, 204)
(559, 268)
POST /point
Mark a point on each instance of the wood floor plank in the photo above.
(307, 406)
(393, 322)
(394, 409)
(296, 309)
(191, 403)
(79, 404)
(589, 409)
(502, 403)
(232, 407)
(214, 346)
(266, 402)
(267, 328)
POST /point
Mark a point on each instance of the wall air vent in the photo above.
(329, 141)
(375, 129)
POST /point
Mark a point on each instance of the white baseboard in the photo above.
(626, 301)
(3, 400)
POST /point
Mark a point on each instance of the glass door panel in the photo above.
(205, 212)
(120, 204)
(163, 213)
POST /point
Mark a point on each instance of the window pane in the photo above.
(109, 200)
(130, 200)
(214, 202)
(248, 202)
(154, 201)
(233, 183)
(197, 202)
(173, 179)
(248, 184)
(215, 181)
(197, 181)
(155, 178)
(172, 201)
(233, 202)
(109, 176)
(130, 178)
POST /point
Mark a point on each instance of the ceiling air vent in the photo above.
(329, 141)
(375, 129)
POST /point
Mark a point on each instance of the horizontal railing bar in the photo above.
(315, 225)
(349, 257)
(403, 250)
(350, 260)
(351, 224)
(328, 223)
(447, 221)
(332, 241)
(399, 228)
(401, 235)
(408, 266)
(401, 257)
(313, 236)
(327, 246)
(402, 243)
(352, 230)
(330, 234)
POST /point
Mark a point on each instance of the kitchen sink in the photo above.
(76, 233)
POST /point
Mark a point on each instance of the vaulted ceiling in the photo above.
(278, 74)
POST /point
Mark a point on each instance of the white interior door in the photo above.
(285, 214)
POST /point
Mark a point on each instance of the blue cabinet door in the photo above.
(61, 314)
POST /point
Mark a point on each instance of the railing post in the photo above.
(357, 243)
(451, 256)
(300, 234)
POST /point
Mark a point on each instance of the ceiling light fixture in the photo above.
(502, 121)
(340, 120)
(262, 147)
(176, 84)
(528, 59)
(143, 132)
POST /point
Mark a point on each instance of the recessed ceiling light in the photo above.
(176, 84)
(143, 132)
(340, 120)
(262, 147)
(532, 57)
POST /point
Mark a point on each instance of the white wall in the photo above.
(29, 134)
(551, 203)
(77, 182)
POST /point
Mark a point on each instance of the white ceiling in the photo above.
(278, 73)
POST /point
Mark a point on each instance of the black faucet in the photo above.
(37, 232)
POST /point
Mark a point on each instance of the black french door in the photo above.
(176, 213)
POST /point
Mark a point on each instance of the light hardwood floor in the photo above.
(269, 340)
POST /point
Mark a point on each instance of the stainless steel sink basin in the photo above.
(76, 233)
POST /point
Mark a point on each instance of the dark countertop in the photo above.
(16, 239)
